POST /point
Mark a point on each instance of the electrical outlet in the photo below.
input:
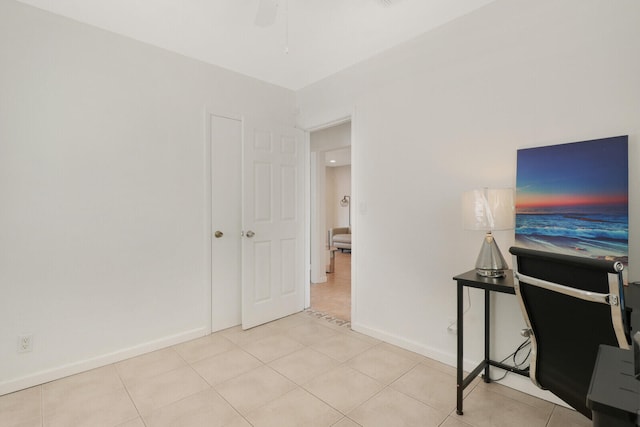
(25, 343)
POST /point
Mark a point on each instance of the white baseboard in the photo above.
(62, 371)
(513, 381)
(430, 352)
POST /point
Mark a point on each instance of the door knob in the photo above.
(250, 234)
(218, 234)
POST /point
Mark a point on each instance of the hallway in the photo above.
(333, 298)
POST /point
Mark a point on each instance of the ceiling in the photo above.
(339, 157)
(308, 41)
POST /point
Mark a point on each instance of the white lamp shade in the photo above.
(488, 209)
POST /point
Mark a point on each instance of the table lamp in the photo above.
(489, 209)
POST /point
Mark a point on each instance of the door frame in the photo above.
(356, 206)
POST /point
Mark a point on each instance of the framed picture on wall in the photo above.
(573, 198)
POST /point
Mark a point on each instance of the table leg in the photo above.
(487, 334)
(459, 388)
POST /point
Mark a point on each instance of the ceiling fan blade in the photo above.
(267, 11)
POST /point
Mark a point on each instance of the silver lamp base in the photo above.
(490, 262)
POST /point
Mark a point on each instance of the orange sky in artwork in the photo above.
(555, 200)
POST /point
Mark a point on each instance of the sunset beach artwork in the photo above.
(573, 198)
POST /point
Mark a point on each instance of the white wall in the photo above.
(103, 180)
(446, 113)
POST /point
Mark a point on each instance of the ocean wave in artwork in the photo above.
(594, 235)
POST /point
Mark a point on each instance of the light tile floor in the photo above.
(298, 371)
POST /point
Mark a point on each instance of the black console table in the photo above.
(614, 393)
(473, 280)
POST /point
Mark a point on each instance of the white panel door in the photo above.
(226, 221)
(273, 247)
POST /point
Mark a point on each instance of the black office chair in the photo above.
(571, 306)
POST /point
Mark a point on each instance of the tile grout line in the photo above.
(126, 389)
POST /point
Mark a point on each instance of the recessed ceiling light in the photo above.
(332, 161)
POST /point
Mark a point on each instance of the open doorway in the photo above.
(331, 217)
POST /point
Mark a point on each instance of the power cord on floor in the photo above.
(514, 355)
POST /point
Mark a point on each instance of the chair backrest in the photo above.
(572, 305)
